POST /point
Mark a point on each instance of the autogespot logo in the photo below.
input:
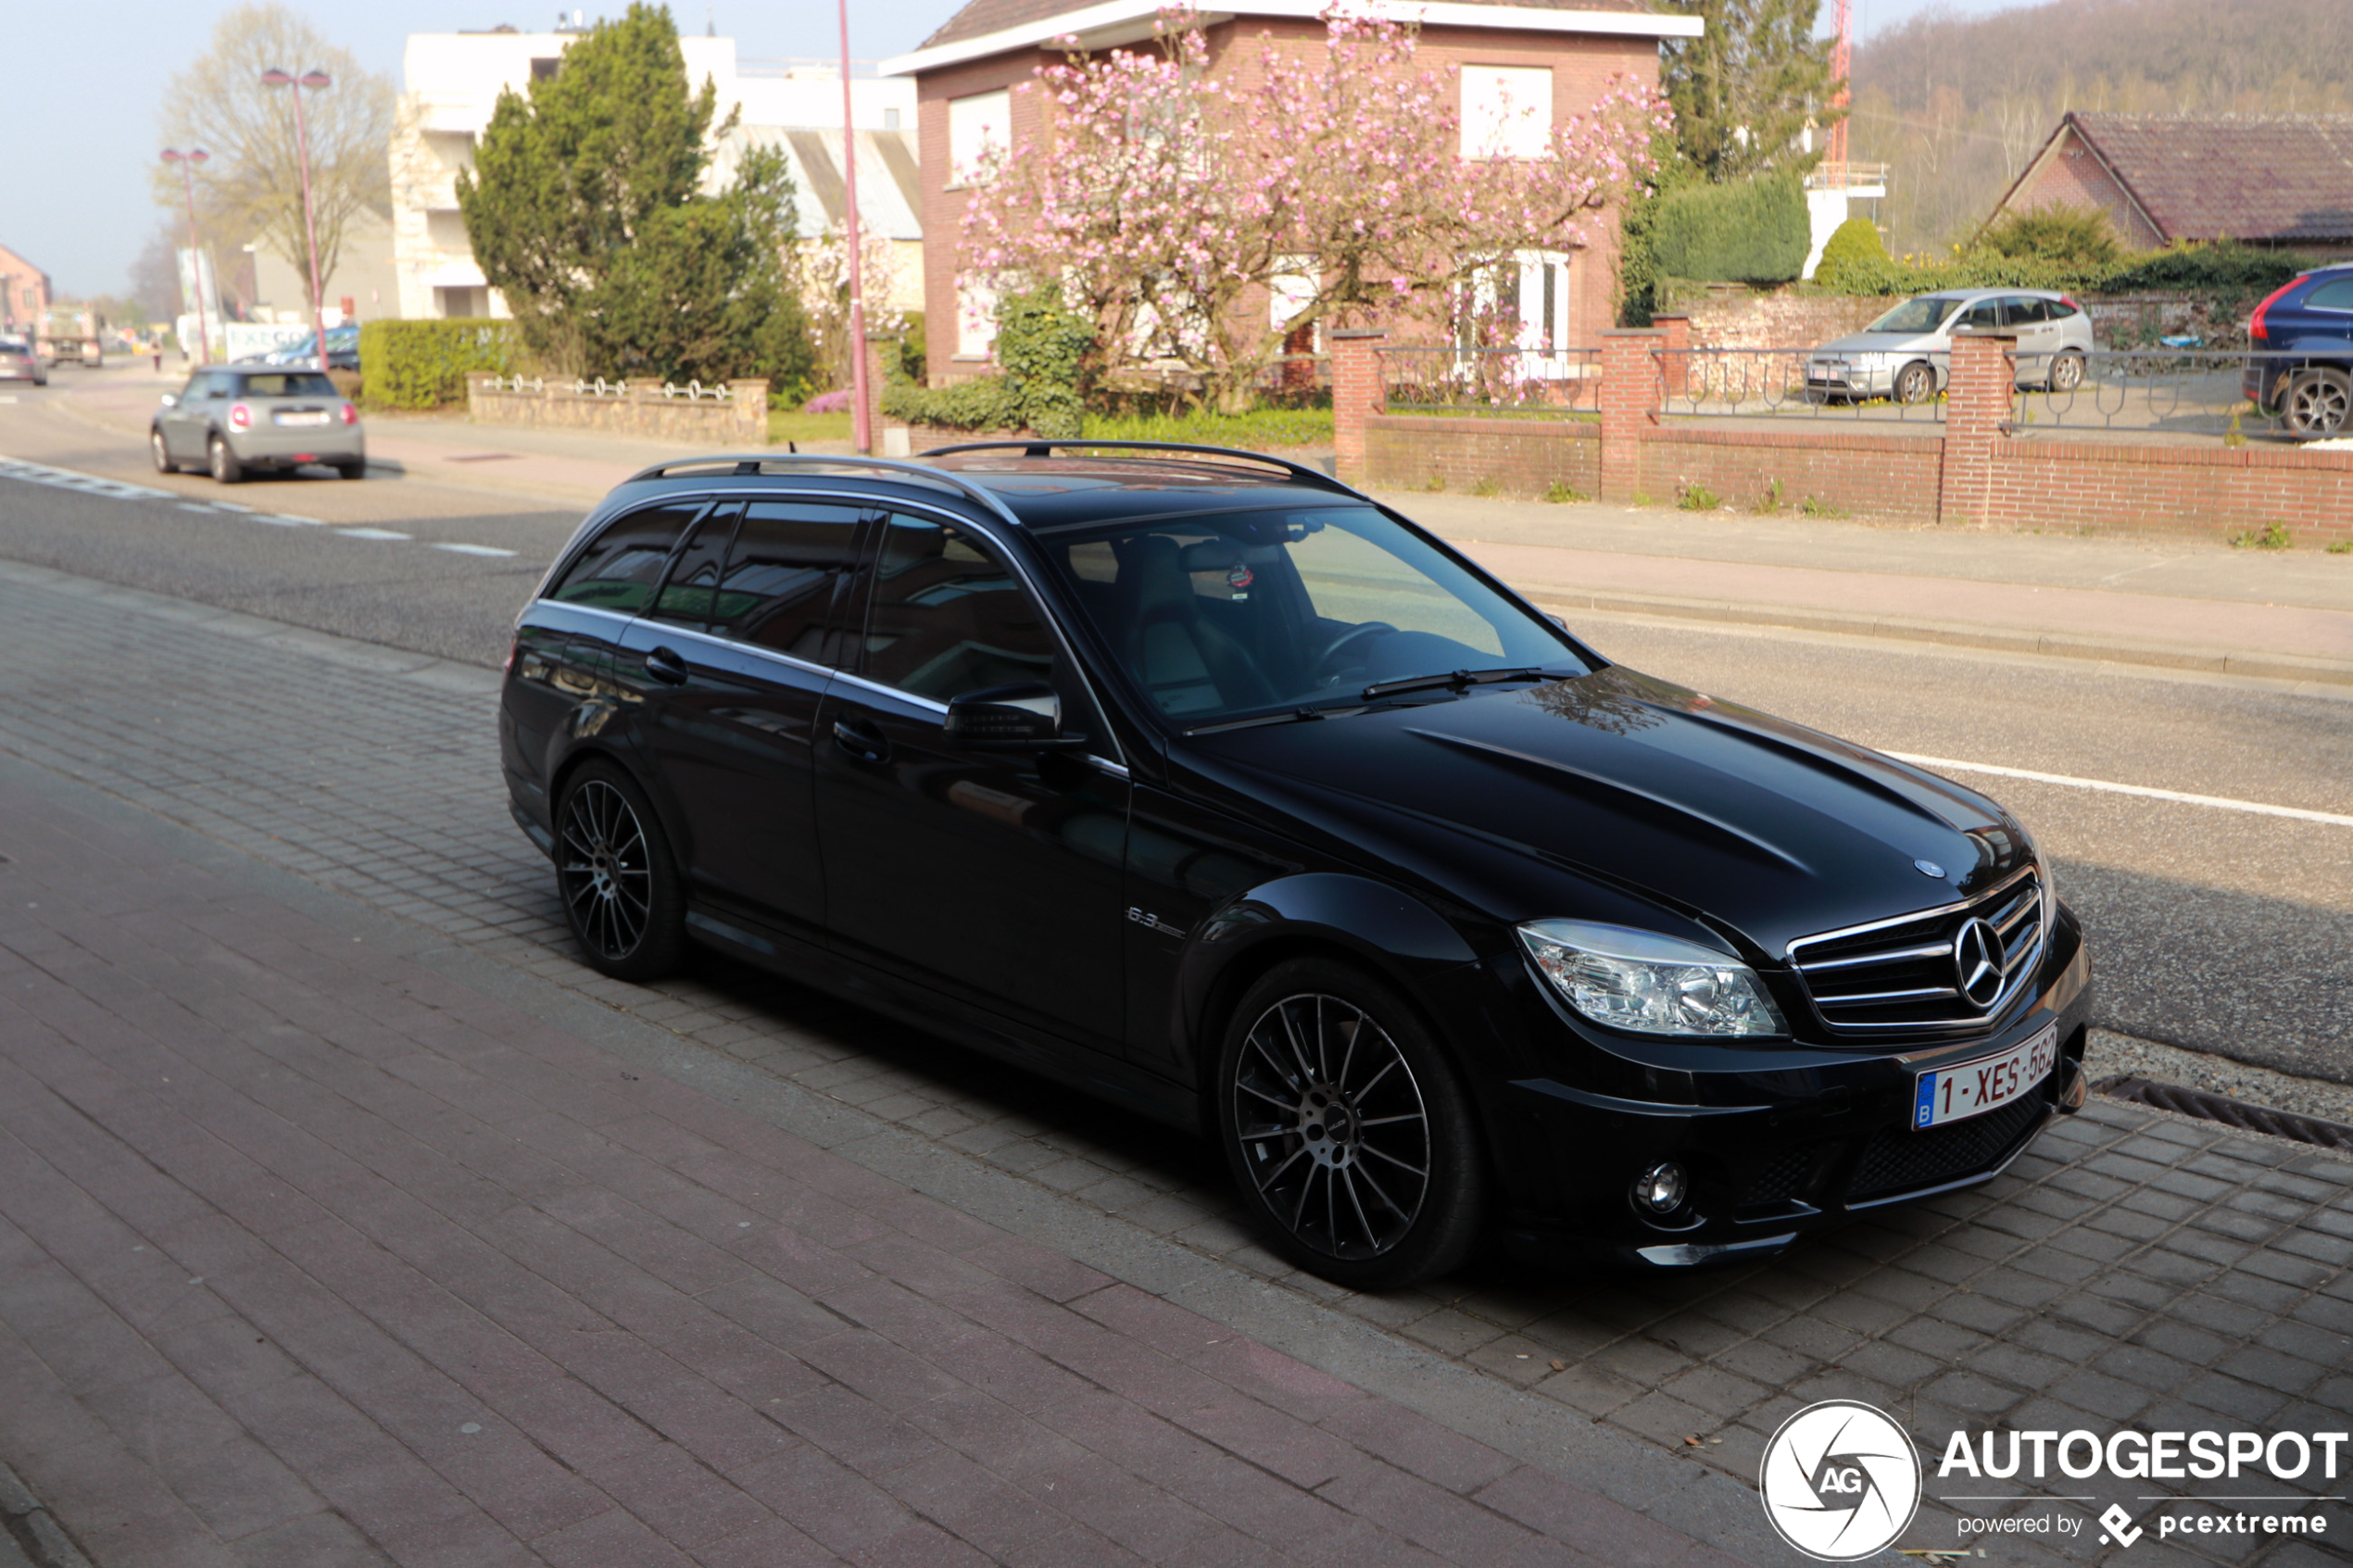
(1841, 1480)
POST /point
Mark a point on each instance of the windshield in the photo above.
(1244, 611)
(1922, 315)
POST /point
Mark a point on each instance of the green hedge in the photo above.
(424, 364)
(1748, 232)
(2226, 270)
(975, 403)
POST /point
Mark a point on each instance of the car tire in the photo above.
(355, 468)
(222, 463)
(2066, 372)
(160, 453)
(616, 876)
(1357, 1157)
(1915, 382)
(2317, 403)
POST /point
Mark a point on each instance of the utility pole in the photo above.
(187, 161)
(315, 81)
(862, 423)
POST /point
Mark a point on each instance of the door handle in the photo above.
(860, 741)
(663, 664)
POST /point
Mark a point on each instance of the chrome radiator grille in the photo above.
(1909, 973)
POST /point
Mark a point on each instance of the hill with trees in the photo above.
(1959, 104)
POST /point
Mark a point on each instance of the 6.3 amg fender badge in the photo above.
(1152, 922)
(1841, 1480)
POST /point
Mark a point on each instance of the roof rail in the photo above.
(750, 464)
(1038, 448)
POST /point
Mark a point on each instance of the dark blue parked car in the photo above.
(2303, 339)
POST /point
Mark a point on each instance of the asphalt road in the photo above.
(2214, 929)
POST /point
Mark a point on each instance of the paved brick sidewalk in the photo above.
(2132, 1269)
(315, 1255)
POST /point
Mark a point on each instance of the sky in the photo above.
(77, 132)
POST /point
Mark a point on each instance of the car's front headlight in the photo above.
(1655, 984)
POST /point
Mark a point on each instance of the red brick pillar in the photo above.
(1675, 364)
(1630, 407)
(1356, 395)
(1977, 413)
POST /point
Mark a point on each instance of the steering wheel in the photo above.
(1331, 649)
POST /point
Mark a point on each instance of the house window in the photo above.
(977, 126)
(545, 66)
(1508, 111)
(975, 320)
(890, 119)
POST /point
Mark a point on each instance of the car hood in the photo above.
(1715, 810)
(1885, 342)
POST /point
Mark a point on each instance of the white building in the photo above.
(451, 84)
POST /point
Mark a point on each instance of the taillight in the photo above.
(2068, 303)
(240, 415)
(514, 649)
(2255, 328)
(350, 415)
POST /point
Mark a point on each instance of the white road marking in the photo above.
(66, 479)
(369, 533)
(290, 519)
(196, 506)
(2220, 803)
(472, 549)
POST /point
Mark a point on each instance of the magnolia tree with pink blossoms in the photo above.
(1172, 199)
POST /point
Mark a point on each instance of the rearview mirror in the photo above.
(1008, 718)
(169, 400)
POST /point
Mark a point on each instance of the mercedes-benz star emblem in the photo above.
(1841, 1480)
(1929, 868)
(1977, 962)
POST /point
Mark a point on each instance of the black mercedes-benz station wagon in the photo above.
(1211, 786)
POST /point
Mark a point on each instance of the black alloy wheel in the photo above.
(2067, 372)
(1914, 383)
(222, 462)
(1349, 1137)
(2317, 401)
(619, 883)
(162, 453)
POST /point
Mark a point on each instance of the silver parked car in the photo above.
(235, 419)
(1907, 353)
(21, 361)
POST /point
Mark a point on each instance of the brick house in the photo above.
(2275, 180)
(1560, 51)
(24, 295)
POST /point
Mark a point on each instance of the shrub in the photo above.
(2272, 536)
(2072, 236)
(424, 364)
(1749, 231)
(1854, 246)
(1561, 492)
(1045, 350)
(1697, 497)
(975, 403)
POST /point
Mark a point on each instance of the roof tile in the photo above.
(2205, 177)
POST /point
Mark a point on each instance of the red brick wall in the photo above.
(2072, 176)
(943, 208)
(2210, 492)
(1518, 457)
(1892, 477)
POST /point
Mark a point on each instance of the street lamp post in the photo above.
(862, 420)
(187, 161)
(314, 80)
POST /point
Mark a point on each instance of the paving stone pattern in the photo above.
(2132, 1267)
(310, 1255)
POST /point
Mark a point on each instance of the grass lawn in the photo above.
(1260, 427)
(793, 425)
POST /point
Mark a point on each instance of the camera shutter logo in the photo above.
(1841, 1480)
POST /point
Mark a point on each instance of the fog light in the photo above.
(1660, 1189)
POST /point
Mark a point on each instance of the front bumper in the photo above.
(1772, 1154)
(1847, 378)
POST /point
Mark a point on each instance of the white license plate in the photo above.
(302, 419)
(1956, 1094)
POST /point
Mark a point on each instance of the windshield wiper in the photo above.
(1281, 716)
(1459, 679)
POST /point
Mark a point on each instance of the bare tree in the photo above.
(251, 191)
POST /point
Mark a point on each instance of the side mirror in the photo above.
(1014, 717)
(169, 400)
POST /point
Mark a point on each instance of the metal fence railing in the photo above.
(1780, 382)
(2187, 393)
(1523, 383)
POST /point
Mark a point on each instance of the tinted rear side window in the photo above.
(2335, 294)
(946, 617)
(618, 572)
(2024, 311)
(783, 587)
(686, 594)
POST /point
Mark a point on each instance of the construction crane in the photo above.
(1842, 57)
